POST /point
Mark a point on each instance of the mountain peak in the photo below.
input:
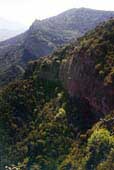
(36, 21)
(60, 115)
(46, 35)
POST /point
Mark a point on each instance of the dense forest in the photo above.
(60, 115)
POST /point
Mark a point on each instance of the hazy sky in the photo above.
(26, 11)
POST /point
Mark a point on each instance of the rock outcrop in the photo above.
(45, 36)
(89, 70)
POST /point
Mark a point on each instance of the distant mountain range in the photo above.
(6, 34)
(10, 29)
(45, 36)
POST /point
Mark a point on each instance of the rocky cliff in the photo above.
(85, 67)
(89, 70)
(60, 115)
(45, 36)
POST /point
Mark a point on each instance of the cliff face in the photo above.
(49, 120)
(86, 67)
(45, 36)
(89, 71)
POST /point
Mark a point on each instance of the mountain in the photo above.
(10, 29)
(45, 36)
(91, 68)
(6, 34)
(60, 116)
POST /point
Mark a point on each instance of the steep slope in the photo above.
(49, 123)
(44, 36)
(90, 74)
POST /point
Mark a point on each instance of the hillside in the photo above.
(45, 36)
(49, 119)
(90, 73)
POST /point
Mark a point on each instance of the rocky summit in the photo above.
(45, 36)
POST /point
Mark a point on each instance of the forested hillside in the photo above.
(45, 36)
(49, 120)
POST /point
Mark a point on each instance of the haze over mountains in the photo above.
(10, 29)
(45, 36)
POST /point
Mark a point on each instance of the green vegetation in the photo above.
(99, 146)
(45, 36)
(100, 43)
(43, 127)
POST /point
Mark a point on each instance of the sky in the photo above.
(26, 11)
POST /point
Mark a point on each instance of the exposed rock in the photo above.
(80, 73)
(45, 36)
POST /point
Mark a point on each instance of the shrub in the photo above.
(98, 147)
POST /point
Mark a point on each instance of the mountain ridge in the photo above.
(49, 119)
(45, 36)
